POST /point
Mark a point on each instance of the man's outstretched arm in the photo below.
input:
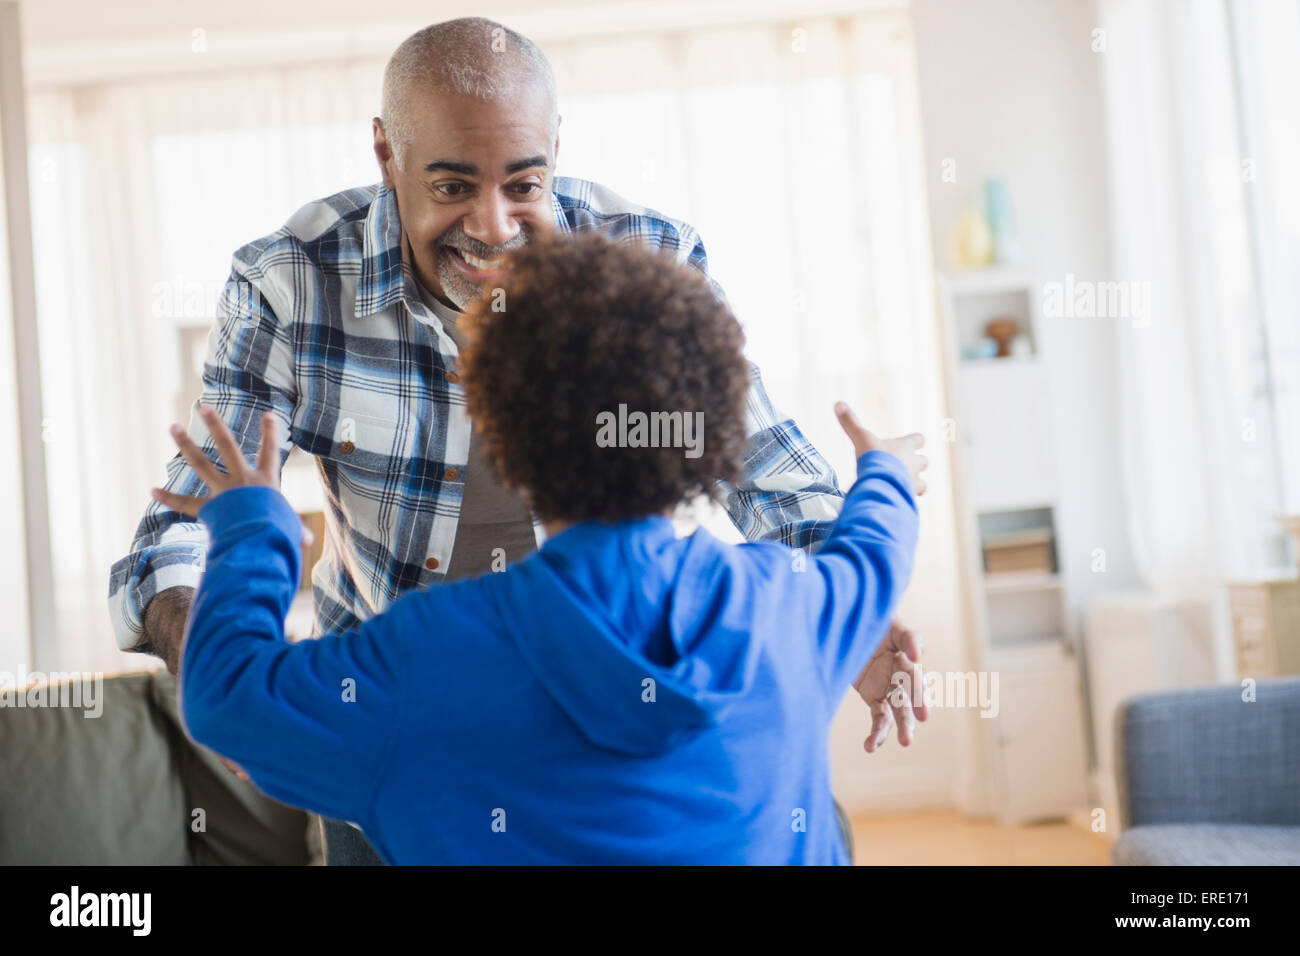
(788, 492)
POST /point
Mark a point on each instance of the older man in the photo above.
(344, 325)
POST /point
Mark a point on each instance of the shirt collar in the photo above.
(385, 272)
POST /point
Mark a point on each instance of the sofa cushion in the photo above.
(241, 824)
(129, 787)
(92, 790)
(1208, 844)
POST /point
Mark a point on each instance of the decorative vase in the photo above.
(1002, 222)
(973, 245)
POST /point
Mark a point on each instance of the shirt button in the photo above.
(347, 448)
(431, 564)
(452, 377)
(451, 474)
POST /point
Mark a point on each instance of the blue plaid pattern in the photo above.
(322, 324)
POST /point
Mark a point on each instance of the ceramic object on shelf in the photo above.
(982, 349)
(1002, 330)
(1001, 222)
(973, 240)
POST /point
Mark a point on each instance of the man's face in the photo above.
(477, 183)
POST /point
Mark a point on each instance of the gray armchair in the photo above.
(1206, 778)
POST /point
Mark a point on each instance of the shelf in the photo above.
(1009, 583)
(1007, 361)
(988, 280)
(1029, 654)
(1038, 504)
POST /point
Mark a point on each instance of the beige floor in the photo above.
(949, 838)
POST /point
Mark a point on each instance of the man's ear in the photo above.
(383, 152)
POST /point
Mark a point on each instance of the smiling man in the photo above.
(469, 150)
(344, 324)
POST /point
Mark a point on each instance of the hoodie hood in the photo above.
(637, 646)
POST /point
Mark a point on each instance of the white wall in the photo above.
(1011, 88)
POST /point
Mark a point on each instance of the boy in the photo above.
(621, 695)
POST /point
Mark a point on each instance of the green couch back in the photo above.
(128, 787)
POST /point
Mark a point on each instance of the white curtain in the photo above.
(141, 192)
(794, 150)
(1201, 100)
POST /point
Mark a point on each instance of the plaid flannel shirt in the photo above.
(321, 323)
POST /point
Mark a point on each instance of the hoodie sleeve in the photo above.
(860, 573)
(311, 722)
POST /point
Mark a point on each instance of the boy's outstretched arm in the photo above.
(789, 493)
(311, 723)
(857, 578)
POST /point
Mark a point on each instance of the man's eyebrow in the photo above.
(466, 169)
(519, 164)
(469, 169)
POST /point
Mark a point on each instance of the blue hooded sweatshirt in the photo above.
(621, 696)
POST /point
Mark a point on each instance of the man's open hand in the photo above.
(891, 699)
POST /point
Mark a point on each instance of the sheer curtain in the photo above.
(794, 149)
(141, 192)
(1206, 208)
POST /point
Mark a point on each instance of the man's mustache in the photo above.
(481, 250)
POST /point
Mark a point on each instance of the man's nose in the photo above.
(491, 223)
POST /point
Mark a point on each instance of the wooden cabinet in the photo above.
(1039, 730)
(1266, 626)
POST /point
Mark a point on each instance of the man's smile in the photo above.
(472, 267)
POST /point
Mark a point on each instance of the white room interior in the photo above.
(858, 195)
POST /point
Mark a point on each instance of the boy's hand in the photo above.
(266, 472)
(903, 448)
(237, 472)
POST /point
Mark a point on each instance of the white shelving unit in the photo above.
(1007, 490)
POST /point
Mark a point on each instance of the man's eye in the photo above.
(526, 189)
(450, 189)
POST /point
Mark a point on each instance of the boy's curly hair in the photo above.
(578, 326)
